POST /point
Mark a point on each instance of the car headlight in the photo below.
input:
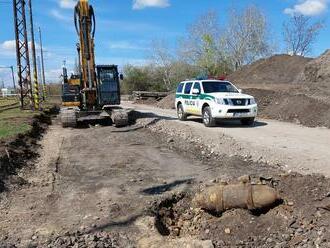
(252, 101)
(220, 101)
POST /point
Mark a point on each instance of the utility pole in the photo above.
(34, 62)
(42, 67)
(39, 68)
(13, 76)
(22, 53)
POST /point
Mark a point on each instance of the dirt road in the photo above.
(82, 175)
(132, 187)
(294, 147)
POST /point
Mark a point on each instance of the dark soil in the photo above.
(17, 152)
(297, 108)
(297, 222)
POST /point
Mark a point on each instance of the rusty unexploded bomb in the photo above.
(220, 198)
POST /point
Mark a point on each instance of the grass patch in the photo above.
(8, 101)
(15, 121)
(8, 129)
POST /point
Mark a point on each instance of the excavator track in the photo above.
(68, 117)
(120, 117)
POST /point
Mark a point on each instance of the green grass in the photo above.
(8, 101)
(14, 121)
(8, 130)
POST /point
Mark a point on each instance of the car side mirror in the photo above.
(240, 90)
(121, 76)
(196, 92)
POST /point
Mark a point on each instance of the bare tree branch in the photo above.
(246, 36)
(300, 34)
(163, 59)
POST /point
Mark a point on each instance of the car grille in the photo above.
(239, 102)
(238, 111)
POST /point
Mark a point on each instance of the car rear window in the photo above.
(180, 88)
(187, 88)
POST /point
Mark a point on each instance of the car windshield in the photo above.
(215, 86)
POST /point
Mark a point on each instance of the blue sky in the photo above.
(125, 28)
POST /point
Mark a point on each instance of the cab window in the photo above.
(180, 88)
(187, 88)
(197, 86)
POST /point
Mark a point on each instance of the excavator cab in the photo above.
(108, 85)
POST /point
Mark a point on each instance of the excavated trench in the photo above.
(298, 220)
(22, 150)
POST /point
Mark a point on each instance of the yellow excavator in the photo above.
(93, 95)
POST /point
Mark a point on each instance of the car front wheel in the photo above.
(208, 120)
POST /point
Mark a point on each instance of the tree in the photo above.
(136, 78)
(203, 45)
(163, 60)
(246, 36)
(300, 34)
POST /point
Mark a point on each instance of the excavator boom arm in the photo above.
(84, 20)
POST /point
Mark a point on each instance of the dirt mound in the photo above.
(298, 108)
(278, 69)
(317, 70)
(316, 77)
(167, 102)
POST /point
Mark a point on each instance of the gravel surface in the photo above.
(289, 146)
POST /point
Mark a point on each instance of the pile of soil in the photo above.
(278, 69)
(317, 70)
(316, 77)
(305, 91)
(297, 108)
(167, 102)
(300, 221)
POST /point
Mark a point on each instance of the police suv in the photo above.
(214, 100)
